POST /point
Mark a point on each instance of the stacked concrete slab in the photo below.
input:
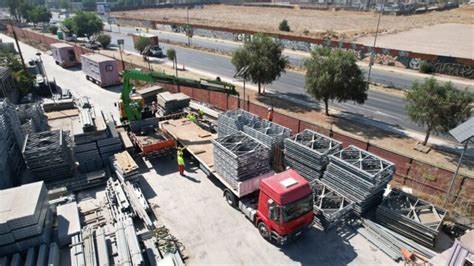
(358, 175)
(11, 137)
(233, 121)
(68, 222)
(169, 103)
(124, 166)
(308, 153)
(238, 157)
(51, 147)
(410, 216)
(25, 221)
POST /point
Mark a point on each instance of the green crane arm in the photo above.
(133, 110)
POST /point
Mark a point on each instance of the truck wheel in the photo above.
(230, 198)
(87, 77)
(263, 230)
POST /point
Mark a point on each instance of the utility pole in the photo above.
(18, 46)
(455, 174)
(372, 54)
(188, 27)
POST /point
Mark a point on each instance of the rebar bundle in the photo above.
(359, 176)
(307, 152)
(240, 157)
(412, 217)
(48, 155)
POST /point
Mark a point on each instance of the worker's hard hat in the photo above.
(269, 108)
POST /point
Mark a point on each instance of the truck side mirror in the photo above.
(272, 210)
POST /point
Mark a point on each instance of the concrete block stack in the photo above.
(270, 134)
(411, 217)
(68, 223)
(51, 147)
(238, 157)
(111, 145)
(308, 153)
(358, 175)
(11, 137)
(170, 103)
(330, 206)
(233, 121)
(25, 221)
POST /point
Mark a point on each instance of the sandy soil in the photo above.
(346, 24)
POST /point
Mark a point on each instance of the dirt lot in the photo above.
(348, 24)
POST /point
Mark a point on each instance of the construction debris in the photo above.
(412, 217)
(308, 153)
(50, 147)
(171, 103)
(238, 157)
(358, 175)
(25, 221)
(330, 207)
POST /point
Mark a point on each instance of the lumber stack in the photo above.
(308, 153)
(410, 216)
(358, 175)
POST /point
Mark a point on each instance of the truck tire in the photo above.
(87, 77)
(230, 198)
(264, 231)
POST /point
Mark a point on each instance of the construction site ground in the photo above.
(347, 25)
(193, 208)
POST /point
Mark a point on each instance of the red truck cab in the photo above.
(285, 206)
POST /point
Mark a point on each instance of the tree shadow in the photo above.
(282, 102)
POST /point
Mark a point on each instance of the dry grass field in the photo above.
(346, 25)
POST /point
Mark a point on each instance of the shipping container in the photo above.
(100, 69)
(64, 54)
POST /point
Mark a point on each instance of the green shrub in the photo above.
(104, 40)
(284, 26)
(426, 67)
(53, 30)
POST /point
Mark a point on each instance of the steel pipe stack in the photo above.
(330, 206)
(233, 121)
(11, 137)
(358, 175)
(409, 216)
(238, 157)
(308, 153)
(270, 134)
(50, 147)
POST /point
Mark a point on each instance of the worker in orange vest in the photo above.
(270, 114)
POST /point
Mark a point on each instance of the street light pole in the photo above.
(372, 54)
(455, 174)
(18, 46)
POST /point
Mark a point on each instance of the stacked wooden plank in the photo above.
(238, 157)
(410, 216)
(358, 175)
(308, 153)
(124, 166)
(50, 147)
(170, 103)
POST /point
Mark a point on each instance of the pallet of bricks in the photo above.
(411, 217)
(239, 157)
(358, 175)
(51, 147)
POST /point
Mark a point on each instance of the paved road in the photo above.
(383, 76)
(380, 106)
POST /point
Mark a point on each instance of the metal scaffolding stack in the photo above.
(11, 161)
(32, 118)
(330, 206)
(170, 103)
(358, 175)
(233, 121)
(412, 217)
(238, 157)
(270, 134)
(50, 147)
(308, 153)
(25, 218)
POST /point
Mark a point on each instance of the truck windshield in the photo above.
(297, 209)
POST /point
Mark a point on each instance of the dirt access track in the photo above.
(347, 25)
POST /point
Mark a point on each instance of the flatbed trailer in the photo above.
(251, 196)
